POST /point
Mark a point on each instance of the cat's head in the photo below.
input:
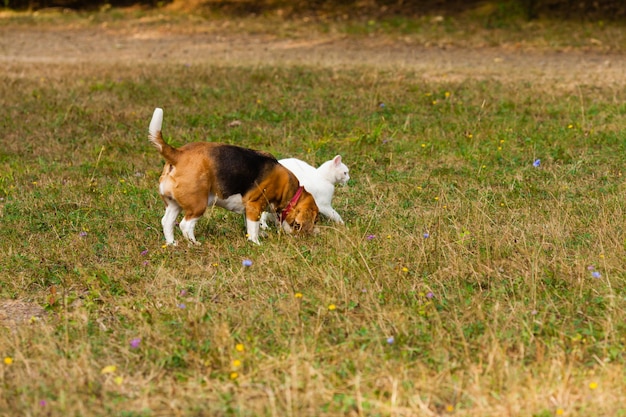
(339, 171)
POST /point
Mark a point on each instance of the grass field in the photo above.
(481, 271)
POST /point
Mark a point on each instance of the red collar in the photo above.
(292, 203)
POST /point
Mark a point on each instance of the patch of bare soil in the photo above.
(16, 313)
(28, 50)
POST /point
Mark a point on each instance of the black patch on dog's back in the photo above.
(237, 169)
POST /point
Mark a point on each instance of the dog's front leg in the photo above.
(253, 230)
(253, 221)
(286, 227)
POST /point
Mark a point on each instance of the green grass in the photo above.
(495, 311)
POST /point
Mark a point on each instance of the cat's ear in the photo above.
(337, 160)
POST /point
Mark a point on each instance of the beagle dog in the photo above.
(198, 175)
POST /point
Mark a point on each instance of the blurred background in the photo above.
(530, 9)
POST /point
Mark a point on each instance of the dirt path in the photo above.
(21, 46)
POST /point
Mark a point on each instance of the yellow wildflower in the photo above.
(108, 369)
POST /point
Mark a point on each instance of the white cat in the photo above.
(320, 182)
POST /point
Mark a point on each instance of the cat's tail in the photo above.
(154, 134)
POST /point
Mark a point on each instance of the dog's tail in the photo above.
(154, 134)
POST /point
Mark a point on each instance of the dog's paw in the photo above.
(287, 228)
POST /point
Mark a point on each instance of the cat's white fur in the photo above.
(320, 182)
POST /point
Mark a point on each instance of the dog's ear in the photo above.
(304, 215)
(305, 220)
(307, 213)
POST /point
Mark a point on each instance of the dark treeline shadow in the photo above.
(530, 9)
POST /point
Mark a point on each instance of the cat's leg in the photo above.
(267, 219)
(330, 212)
(264, 218)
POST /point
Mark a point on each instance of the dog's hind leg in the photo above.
(193, 212)
(169, 219)
(187, 226)
(193, 204)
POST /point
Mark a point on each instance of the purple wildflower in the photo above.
(247, 263)
(134, 343)
(144, 252)
(429, 295)
(537, 163)
(370, 237)
(426, 235)
(182, 306)
(82, 234)
(390, 340)
(596, 274)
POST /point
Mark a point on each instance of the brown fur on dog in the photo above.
(238, 179)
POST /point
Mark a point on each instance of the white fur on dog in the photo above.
(155, 126)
